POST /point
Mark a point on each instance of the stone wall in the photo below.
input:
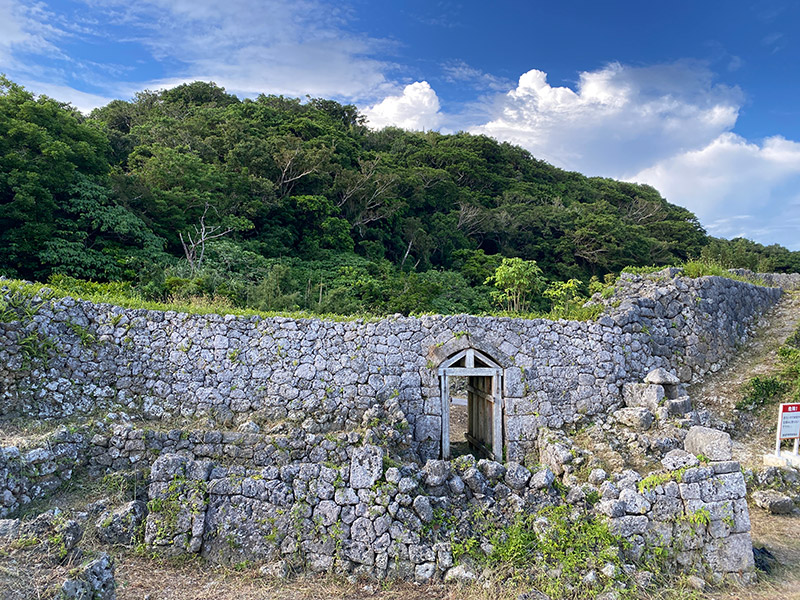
(323, 376)
(33, 473)
(345, 509)
(360, 517)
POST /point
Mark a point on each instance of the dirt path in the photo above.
(719, 392)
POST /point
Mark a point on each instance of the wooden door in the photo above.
(480, 410)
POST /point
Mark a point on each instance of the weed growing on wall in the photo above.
(552, 549)
(35, 347)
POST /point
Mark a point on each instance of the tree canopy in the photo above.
(305, 207)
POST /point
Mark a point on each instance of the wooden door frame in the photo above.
(449, 369)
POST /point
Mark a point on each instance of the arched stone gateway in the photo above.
(484, 401)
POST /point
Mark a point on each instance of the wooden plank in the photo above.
(497, 421)
(469, 359)
(470, 412)
(452, 360)
(479, 446)
(481, 393)
(444, 386)
(469, 372)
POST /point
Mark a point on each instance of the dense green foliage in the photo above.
(274, 204)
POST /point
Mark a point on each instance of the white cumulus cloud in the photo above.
(737, 188)
(669, 126)
(416, 108)
(618, 119)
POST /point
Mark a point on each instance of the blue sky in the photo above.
(699, 99)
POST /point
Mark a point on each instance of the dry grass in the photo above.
(25, 435)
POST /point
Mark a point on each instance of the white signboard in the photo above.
(789, 422)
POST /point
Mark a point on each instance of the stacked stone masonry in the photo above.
(323, 376)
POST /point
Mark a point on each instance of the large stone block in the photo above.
(638, 418)
(716, 445)
(649, 396)
(366, 466)
(733, 554)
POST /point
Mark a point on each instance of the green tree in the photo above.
(517, 281)
(564, 296)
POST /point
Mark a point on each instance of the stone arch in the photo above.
(485, 431)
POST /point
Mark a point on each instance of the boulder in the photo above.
(643, 395)
(119, 527)
(638, 418)
(542, 479)
(661, 376)
(460, 574)
(773, 501)
(714, 444)
(95, 581)
(517, 476)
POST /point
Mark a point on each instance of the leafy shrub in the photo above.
(759, 391)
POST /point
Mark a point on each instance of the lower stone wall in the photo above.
(32, 474)
(381, 522)
(342, 504)
(697, 513)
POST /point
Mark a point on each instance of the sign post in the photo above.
(788, 429)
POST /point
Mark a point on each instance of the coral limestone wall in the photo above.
(79, 357)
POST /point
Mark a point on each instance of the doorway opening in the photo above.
(472, 405)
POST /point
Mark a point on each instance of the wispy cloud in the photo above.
(458, 71)
(27, 28)
(300, 48)
(253, 46)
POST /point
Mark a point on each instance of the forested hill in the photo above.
(303, 207)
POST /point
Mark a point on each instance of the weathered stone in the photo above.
(94, 582)
(422, 506)
(638, 418)
(712, 443)
(366, 466)
(732, 554)
(327, 512)
(424, 572)
(597, 476)
(406, 485)
(120, 526)
(542, 479)
(492, 470)
(517, 476)
(460, 574)
(436, 472)
(678, 458)
(774, 502)
(635, 503)
(629, 526)
(475, 480)
(643, 395)
(9, 529)
(679, 406)
(661, 376)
